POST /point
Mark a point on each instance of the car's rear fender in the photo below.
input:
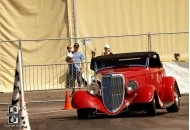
(168, 89)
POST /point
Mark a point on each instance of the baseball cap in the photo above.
(69, 54)
(107, 46)
(76, 45)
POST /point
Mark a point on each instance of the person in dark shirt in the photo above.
(107, 50)
(176, 56)
(93, 53)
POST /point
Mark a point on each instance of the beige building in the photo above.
(36, 19)
(42, 19)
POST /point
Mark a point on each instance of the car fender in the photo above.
(144, 93)
(168, 89)
(82, 99)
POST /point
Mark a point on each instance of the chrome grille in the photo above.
(113, 92)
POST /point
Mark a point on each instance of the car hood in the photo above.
(126, 71)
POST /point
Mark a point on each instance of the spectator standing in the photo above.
(176, 56)
(69, 49)
(93, 53)
(106, 50)
(76, 69)
(69, 59)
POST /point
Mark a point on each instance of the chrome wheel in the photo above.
(176, 98)
(176, 106)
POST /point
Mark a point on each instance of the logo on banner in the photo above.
(13, 114)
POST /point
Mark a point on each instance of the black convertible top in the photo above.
(125, 55)
(154, 62)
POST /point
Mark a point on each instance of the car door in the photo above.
(156, 74)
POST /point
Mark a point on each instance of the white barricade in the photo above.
(179, 70)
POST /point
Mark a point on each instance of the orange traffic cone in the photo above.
(67, 105)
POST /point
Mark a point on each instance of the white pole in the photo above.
(75, 19)
(24, 121)
(21, 77)
(86, 64)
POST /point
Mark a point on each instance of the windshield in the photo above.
(120, 62)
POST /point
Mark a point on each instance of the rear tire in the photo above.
(151, 108)
(83, 113)
(176, 106)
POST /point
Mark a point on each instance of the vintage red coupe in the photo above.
(127, 82)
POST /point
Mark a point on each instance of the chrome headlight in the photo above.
(132, 85)
(94, 89)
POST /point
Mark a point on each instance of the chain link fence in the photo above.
(46, 72)
(169, 43)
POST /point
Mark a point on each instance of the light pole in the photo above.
(75, 20)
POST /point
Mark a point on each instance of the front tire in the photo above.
(176, 106)
(151, 108)
(83, 113)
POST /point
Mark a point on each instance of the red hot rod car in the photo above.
(127, 82)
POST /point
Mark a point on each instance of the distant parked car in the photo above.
(127, 82)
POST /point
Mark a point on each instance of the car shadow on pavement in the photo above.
(131, 115)
(65, 118)
(123, 115)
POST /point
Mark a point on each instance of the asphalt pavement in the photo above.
(50, 116)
